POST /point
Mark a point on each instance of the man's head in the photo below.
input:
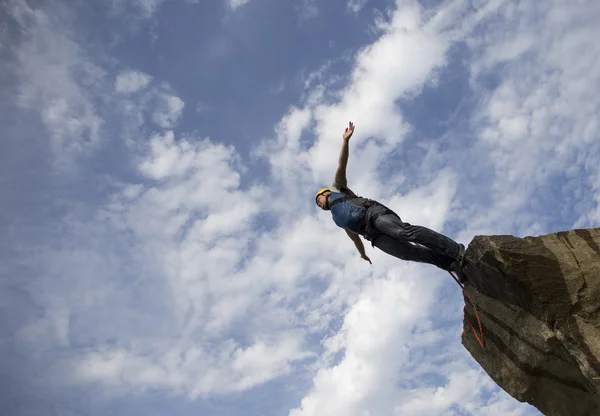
(321, 198)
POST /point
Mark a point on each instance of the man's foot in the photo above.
(456, 267)
(460, 258)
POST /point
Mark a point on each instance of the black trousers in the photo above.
(393, 236)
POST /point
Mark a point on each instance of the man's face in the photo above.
(322, 201)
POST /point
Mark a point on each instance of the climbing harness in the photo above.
(363, 202)
(480, 340)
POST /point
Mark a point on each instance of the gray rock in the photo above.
(538, 299)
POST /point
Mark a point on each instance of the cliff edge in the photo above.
(538, 300)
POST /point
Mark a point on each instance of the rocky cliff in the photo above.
(538, 300)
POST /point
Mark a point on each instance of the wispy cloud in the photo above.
(168, 111)
(191, 369)
(540, 120)
(356, 6)
(235, 4)
(142, 8)
(371, 338)
(307, 9)
(52, 71)
(131, 81)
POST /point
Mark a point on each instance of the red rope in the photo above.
(480, 340)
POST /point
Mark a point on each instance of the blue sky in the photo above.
(162, 253)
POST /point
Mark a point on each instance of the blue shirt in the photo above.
(345, 214)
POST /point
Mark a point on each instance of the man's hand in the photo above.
(348, 132)
(359, 245)
(340, 174)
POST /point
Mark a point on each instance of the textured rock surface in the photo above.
(538, 299)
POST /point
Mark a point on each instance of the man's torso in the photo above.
(348, 214)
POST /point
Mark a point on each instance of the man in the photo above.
(382, 226)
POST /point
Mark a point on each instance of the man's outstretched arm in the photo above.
(359, 245)
(340, 174)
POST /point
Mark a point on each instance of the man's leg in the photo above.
(406, 251)
(394, 227)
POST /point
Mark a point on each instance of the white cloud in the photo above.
(200, 222)
(192, 369)
(190, 210)
(308, 9)
(235, 4)
(57, 80)
(148, 7)
(389, 67)
(372, 337)
(143, 8)
(201, 107)
(462, 388)
(541, 118)
(168, 111)
(131, 81)
(356, 6)
(152, 103)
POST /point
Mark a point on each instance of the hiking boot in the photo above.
(460, 258)
(456, 267)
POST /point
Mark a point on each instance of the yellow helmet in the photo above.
(322, 191)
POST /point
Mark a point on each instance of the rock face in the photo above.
(538, 299)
